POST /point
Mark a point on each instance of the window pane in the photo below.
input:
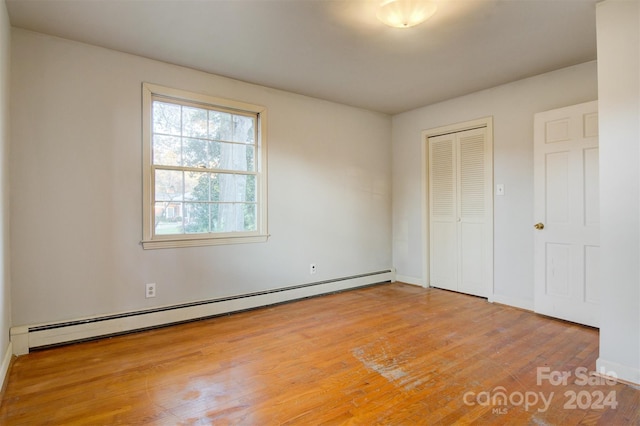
(168, 218)
(215, 155)
(194, 122)
(195, 153)
(166, 118)
(166, 150)
(220, 126)
(229, 217)
(233, 156)
(216, 225)
(196, 218)
(223, 187)
(250, 215)
(226, 155)
(169, 184)
(245, 188)
(243, 158)
(215, 187)
(243, 129)
(197, 186)
(251, 155)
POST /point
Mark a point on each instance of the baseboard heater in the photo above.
(25, 338)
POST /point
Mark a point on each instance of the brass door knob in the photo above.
(539, 226)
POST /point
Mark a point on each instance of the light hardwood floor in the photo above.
(391, 354)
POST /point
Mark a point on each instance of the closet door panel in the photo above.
(443, 215)
(471, 172)
(471, 211)
(444, 256)
(471, 258)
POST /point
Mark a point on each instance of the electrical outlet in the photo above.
(150, 290)
(312, 269)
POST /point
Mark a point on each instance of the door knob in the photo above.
(539, 226)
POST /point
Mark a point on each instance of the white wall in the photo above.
(512, 107)
(5, 293)
(77, 202)
(618, 24)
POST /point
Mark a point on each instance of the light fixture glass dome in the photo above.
(406, 13)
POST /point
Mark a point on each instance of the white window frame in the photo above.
(152, 241)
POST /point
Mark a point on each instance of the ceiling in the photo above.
(334, 49)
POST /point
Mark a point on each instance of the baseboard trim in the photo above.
(624, 373)
(4, 367)
(512, 301)
(410, 280)
(25, 338)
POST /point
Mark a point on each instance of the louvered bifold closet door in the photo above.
(471, 202)
(459, 190)
(443, 212)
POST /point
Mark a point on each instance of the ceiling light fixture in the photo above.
(406, 13)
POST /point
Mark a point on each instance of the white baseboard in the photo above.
(626, 373)
(512, 301)
(410, 280)
(27, 337)
(6, 363)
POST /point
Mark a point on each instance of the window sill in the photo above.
(199, 242)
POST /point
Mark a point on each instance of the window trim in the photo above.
(152, 241)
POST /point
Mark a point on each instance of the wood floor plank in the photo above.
(390, 354)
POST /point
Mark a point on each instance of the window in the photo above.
(204, 169)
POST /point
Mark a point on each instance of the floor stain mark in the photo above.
(378, 356)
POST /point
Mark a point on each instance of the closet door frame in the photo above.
(487, 123)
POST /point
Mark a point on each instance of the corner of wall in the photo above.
(410, 280)
(5, 294)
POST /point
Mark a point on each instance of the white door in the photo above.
(460, 212)
(566, 191)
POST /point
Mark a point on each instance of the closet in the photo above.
(460, 198)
